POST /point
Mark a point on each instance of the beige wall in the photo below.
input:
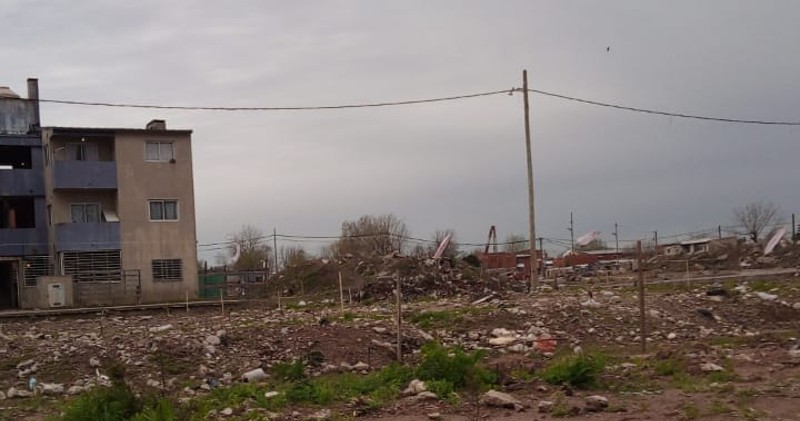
(142, 239)
(37, 297)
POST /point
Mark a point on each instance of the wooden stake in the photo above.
(222, 301)
(187, 301)
(399, 322)
(643, 323)
(341, 294)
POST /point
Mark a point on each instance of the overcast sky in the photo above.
(457, 165)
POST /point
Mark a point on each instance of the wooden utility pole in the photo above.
(541, 250)
(399, 322)
(616, 240)
(643, 323)
(531, 209)
(655, 242)
(571, 234)
(275, 248)
(341, 294)
(794, 231)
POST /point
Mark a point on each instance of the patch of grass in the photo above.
(580, 371)
(690, 411)
(289, 371)
(433, 319)
(170, 364)
(719, 408)
(116, 403)
(442, 388)
(669, 367)
(454, 365)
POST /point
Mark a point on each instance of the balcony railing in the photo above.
(87, 236)
(23, 241)
(85, 175)
(20, 182)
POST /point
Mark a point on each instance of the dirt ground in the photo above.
(746, 334)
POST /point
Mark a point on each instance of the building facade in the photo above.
(114, 219)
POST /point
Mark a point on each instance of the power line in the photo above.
(663, 113)
(426, 101)
(299, 108)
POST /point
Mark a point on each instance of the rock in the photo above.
(271, 394)
(94, 362)
(159, 329)
(501, 332)
(213, 340)
(596, 403)
(672, 335)
(18, 393)
(227, 412)
(426, 396)
(254, 376)
(546, 406)
(434, 416)
(415, 388)
(2, 395)
(503, 341)
(794, 353)
(500, 400)
(518, 348)
(153, 383)
(591, 303)
(24, 364)
(766, 297)
(379, 330)
(710, 367)
(52, 389)
(75, 390)
(322, 414)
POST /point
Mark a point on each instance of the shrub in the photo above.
(289, 372)
(455, 366)
(580, 371)
(116, 403)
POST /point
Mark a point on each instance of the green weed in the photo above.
(579, 371)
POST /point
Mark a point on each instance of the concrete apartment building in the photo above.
(93, 216)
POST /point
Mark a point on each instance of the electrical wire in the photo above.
(299, 108)
(662, 113)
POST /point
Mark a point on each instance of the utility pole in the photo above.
(616, 240)
(571, 234)
(531, 209)
(541, 248)
(275, 248)
(794, 231)
(642, 322)
(719, 231)
(655, 242)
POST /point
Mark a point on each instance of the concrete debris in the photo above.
(94, 362)
(322, 414)
(545, 406)
(51, 389)
(766, 296)
(159, 329)
(711, 367)
(255, 376)
(501, 400)
(415, 388)
(596, 403)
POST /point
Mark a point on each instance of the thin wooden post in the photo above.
(187, 301)
(222, 301)
(341, 294)
(643, 323)
(399, 321)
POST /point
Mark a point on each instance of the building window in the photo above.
(167, 270)
(36, 266)
(94, 266)
(82, 152)
(163, 210)
(85, 212)
(159, 151)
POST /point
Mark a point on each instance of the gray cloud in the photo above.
(459, 165)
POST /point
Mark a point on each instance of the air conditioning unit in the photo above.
(55, 295)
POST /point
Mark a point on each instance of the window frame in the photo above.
(84, 205)
(167, 270)
(163, 203)
(158, 144)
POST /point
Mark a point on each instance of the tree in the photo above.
(515, 243)
(382, 235)
(255, 253)
(292, 256)
(755, 217)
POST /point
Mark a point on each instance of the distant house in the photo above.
(519, 261)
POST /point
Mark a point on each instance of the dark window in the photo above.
(167, 270)
(15, 158)
(95, 266)
(17, 212)
(82, 152)
(163, 210)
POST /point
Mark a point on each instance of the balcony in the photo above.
(18, 182)
(88, 236)
(85, 175)
(23, 241)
